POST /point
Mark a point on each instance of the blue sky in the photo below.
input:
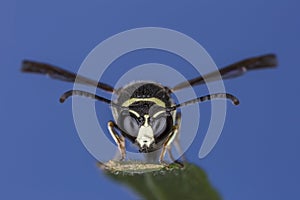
(42, 157)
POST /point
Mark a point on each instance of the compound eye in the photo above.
(159, 125)
(131, 125)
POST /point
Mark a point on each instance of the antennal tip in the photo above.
(65, 95)
(62, 100)
(236, 102)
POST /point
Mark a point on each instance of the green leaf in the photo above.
(154, 181)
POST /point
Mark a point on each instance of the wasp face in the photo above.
(147, 124)
(145, 137)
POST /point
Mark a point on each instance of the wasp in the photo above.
(144, 112)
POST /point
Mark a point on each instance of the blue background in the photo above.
(257, 156)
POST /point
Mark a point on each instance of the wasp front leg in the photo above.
(119, 139)
(167, 144)
(176, 141)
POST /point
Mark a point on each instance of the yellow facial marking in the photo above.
(158, 113)
(135, 113)
(146, 124)
(152, 99)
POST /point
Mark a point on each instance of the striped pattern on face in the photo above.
(152, 99)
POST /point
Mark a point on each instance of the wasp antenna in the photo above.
(234, 100)
(69, 93)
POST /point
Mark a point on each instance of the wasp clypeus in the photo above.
(144, 112)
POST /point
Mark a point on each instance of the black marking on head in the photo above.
(144, 90)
